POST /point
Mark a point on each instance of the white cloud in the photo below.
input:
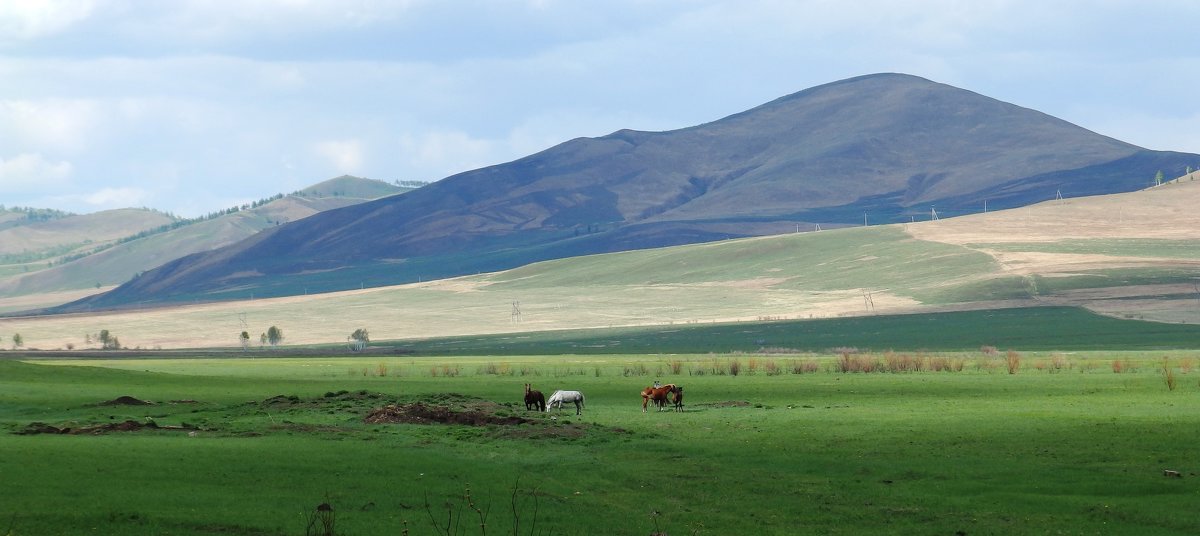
(30, 19)
(107, 198)
(49, 124)
(344, 156)
(439, 154)
(32, 172)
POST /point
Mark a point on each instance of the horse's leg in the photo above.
(578, 406)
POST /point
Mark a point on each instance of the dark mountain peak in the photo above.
(889, 144)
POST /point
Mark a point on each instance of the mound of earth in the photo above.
(421, 413)
(126, 401)
(97, 429)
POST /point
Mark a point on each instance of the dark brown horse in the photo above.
(658, 395)
(534, 399)
(678, 399)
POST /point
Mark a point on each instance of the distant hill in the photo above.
(96, 260)
(1132, 255)
(354, 187)
(881, 148)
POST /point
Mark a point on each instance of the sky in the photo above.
(192, 106)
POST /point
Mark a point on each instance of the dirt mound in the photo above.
(726, 404)
(421, 413)
(97, 429)
(126, 401)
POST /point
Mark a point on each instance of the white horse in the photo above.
(559, 397)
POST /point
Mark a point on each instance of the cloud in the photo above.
(438, 154)
(107, 198)
(49, 124)
(32, 172)
(345, 156)
(30, 19)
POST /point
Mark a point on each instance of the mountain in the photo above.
(882, 147)
(111, 247)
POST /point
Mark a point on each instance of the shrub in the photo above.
(772, 368)
(805, 366)
(1012, 360)
(1168, 374)
(675, 365)
(989, 350)
(735, 367)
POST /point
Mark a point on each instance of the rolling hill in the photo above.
(881, 148)
(103, 267)
(1132, 255)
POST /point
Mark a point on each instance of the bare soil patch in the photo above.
(125, 401)
(98, 429)
(422, 413)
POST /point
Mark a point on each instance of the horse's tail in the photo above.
(581, 400)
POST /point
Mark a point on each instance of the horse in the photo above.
(678, 398)
(658, 395)
(559, 397)
(534, 399)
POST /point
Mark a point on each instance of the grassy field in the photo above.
(1064, 446)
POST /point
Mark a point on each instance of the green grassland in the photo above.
(1076, 449)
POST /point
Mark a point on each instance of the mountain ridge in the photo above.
(888, 145)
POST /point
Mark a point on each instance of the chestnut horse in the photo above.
(678, 398)
(658, 395)
(534, 399)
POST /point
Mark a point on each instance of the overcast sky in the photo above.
(194, 106)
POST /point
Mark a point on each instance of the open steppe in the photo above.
(1133, 255)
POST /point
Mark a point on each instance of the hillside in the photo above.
(86, 275)
(882, 147)
(45, 239)
(1132, 255)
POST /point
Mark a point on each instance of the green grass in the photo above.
(1116, 277)
(979, 451)
(1039, 328)
(875, 257)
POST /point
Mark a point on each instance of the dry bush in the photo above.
(1012, 361)
(752, 365)
(1186, 365)
(676, 366)
(381, 370)
(865, 363)
(989, 350)
(1123, 365)
(636, 370)
(1168, 374)
(1059, 362)
(945, 364)
(772, 368)
(805, 366)
(735, 367)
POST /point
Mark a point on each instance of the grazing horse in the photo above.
(559, 397)
(678, 398)
(658, 395)
(534, 399)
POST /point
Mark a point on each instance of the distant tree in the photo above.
(359, 339)
(108, 341)
(262, 339)
(274, 335)
(18, 341)
(1158, 178)
(244, 338)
